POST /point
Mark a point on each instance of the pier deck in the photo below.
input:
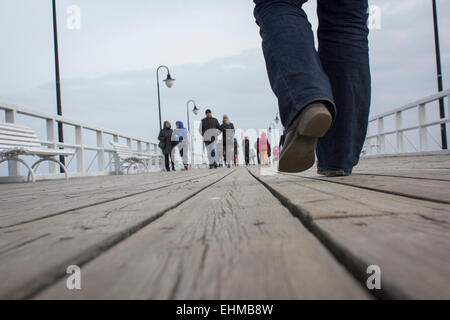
(242, 233)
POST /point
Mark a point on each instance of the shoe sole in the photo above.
(300, 154)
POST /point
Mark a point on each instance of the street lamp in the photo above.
(195, 111)
(439, 75)
(169, 83)
(58, 82)
(277, 119)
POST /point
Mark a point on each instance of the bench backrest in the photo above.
(14, 136)
(122, 150)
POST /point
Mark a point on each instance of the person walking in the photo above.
(180, 137)
(227, 129)
(247, 151)
(264, 148)
(166, 145)
(210, 129)
(316, 87)
(236, 151)
(258, 156)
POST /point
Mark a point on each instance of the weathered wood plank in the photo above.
(413, 252)
(409, 239)
(232, 241)
(34, 254)
(323, 200)
(46, 203)
(431, 190)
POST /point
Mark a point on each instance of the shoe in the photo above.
(301, 138)
(332, 173)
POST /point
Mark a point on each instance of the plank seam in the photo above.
(354, 265)
(405, 195)
(98, 203)
(94, 252)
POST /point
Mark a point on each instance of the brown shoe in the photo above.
(332, 173)
(299, 152)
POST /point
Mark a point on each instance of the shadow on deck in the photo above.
(232, 234)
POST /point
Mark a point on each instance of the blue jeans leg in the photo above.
(293, 65)
(344, 53)
(339, 73)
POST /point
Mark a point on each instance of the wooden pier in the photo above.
(243, 233)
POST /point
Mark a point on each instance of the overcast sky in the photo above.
(212, 48)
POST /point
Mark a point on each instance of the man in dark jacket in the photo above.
(228, 131)
(247, 151)
(210, 129)
(166, 144)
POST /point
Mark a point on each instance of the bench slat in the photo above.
(19, 143)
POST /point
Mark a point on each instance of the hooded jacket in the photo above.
(165, 138)
(180, 134)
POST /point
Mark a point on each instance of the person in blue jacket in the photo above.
(181, 136)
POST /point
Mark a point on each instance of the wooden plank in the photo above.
(35, 254)
(409, 239)
(413, 252)
(44, 203)
(232, 241)
(431, 190)
(324, 200)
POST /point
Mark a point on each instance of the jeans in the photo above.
(338, 74)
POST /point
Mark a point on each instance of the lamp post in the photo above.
(277, 119)
(439, 76)
(195, 111)
(57, 78)
(169, 83)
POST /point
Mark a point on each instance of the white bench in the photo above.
(17, 140)
(128, 159)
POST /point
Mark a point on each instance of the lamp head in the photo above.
(169, 81)
(196, 110)
(277, 120)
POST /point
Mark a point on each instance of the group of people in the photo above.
(171, 141)
(220, 151)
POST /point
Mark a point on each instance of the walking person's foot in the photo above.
(301, 138)
(332, 173)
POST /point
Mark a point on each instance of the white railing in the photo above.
(375, 143)
(105, 156)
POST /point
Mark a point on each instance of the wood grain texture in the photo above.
(234, 240)
(54, 198)
(409, 239)
(35, 254)
(324, 200)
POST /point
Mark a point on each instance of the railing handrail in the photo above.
(61, 119)
(411, 105)
(422, 126)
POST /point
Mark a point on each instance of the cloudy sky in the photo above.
(212, 48)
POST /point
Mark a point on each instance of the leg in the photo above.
(295, 72)
(344, 53)
(166, 162)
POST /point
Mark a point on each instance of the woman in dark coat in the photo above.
(166, 144)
